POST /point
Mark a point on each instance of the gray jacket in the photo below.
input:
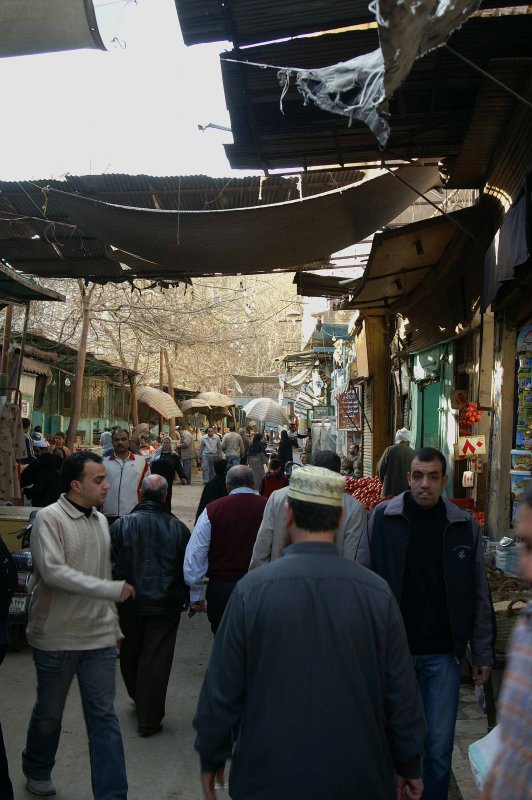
(272, 537)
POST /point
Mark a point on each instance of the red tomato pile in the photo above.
(350, 484)
(368, 492)
(469, 414)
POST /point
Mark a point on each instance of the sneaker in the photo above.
(40, 788)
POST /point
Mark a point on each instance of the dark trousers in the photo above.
(6, 787)
(146, 656)
(217, 597)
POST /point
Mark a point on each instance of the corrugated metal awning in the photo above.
(17, 288)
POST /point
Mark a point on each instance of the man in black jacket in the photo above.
(430, 552)
(148, 548)
(40, 479)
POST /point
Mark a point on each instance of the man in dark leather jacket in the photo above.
(148, 548)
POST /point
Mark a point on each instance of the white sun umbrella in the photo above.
(264, 409)
(195, 404)
(158, 400)
(215, 399)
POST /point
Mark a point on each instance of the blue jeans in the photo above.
(233, 461)
(95, 670)
(438, 677)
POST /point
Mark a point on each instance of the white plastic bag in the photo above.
(482, 754)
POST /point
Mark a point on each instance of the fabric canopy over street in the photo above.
(280, 236)
(34, 26)
(360, 88)
(158, 400)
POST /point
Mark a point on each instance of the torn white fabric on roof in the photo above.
(361, 87)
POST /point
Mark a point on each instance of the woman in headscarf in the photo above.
(285, 449)
(215, 488)
(257, 458)
(167, 463)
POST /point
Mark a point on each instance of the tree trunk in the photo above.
(77, 394)
(171, 421)
(133, 412)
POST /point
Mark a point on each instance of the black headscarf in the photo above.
(284, 451)
(257, 446)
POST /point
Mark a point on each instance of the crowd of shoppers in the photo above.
(339, 637)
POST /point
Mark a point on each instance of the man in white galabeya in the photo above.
(73, 629)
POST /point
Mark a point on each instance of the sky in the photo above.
(134, 109)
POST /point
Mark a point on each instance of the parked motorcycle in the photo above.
(20, 602)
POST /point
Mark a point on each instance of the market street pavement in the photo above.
(163, 767)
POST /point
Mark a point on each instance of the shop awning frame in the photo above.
(402, 260)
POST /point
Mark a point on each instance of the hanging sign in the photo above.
(348, 410)
(319, 412)
(470, 446)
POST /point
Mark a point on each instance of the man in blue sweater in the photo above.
(310, 669)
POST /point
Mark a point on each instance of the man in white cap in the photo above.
(394, 465)
(310, 670)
